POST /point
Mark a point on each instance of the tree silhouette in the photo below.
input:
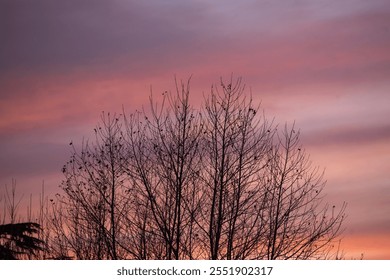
(18, 240)
(163, 160)
(219, 182)
(236, 143)
(96, 201)
(298, 224)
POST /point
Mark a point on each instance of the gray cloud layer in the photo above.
(42, 34)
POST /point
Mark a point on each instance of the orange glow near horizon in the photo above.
(366, 247)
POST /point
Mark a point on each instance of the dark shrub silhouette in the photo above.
(18, 240)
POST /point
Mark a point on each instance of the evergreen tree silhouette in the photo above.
(17, 240)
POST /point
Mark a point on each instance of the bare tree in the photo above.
(219, 182)
(299, 225)
(96, 194)
(236, 140)
(164, 161)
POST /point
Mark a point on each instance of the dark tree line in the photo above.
(216, 182)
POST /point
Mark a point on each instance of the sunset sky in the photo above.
(324, 64)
